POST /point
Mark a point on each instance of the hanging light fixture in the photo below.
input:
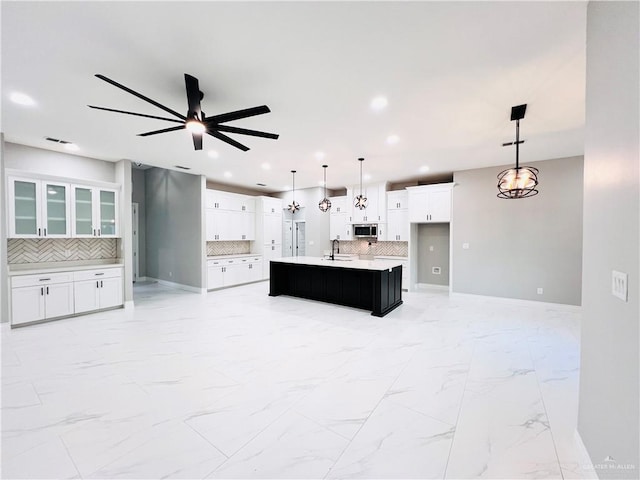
(360, 201)
(519, 182)
(325, 204)
(294, 206)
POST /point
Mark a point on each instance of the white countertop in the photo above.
(52, 267)
(233, 255)
(341, 263)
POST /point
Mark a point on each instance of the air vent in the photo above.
(56, 140)
(183, 168)
(261, 184)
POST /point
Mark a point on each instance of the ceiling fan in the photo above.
(196, 121)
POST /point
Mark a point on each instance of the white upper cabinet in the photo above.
(229, 216)
(340, 219)
(430, 203)
(376, 211)
(38, 208)
(230, 201)
(94, 211)
(397, 200)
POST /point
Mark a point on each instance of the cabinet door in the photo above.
(107, 213)
(255, 272)
(110, 292)
(336, 227)
(24, 208)
(248, 231)
(217, 223)
(270, 252)
(398, 226)
(273, 229)
(215, 276)
(55, 209)
(82, 211)
(27, 304)
(235, 273)
(86, 295)
(58, 299)
(440, 205)
(382, 232)
(397, 200)
(419, 206)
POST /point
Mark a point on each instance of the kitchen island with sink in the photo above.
(374, 285)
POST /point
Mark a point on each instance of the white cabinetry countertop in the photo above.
(52, 267)
(341, 263)
(233, 255)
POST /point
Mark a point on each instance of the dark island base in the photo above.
(377, 290)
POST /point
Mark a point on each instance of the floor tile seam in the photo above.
(544, 406)
(64, 444)
(464, 392)
(395, 402)
(184, 422)
(230, 457)
(382, 397)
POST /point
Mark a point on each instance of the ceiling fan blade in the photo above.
(244, 131)
(139, 95)
(197, 141)
(136, 114)
(164, 130)
(238, 114)
(228, 140)
(194, 95)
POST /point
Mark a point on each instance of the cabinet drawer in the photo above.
(42, 279)
(97, 274)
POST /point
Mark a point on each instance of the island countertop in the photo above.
(376, 265)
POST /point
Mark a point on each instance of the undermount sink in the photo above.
(338, 259)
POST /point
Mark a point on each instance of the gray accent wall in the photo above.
(138, 196)
(518, 246)
(609, 417)
(175, 228)
(433, 251)
(4, 280)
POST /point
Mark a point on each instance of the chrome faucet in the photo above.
(333, 248)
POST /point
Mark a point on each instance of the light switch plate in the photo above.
(619, 285)
(465, 246)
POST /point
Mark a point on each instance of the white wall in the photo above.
(46, 162)
(4, 284)
(609, 405)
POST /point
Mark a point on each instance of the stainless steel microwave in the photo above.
(370, 230)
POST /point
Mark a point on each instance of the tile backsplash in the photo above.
(39, 250)
(364, 247)
(228, 248)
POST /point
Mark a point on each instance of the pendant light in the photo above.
(294, 206)
(518, 182)
(360, 201)
(325, 204)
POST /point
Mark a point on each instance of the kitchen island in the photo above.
(374, 285)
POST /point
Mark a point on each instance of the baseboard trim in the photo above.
(432, 286)
(178, 286)
(518, 301)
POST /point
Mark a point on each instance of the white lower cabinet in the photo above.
(231, 271)
(97, 289)
(39, 297)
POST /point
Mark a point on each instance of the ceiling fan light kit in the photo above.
(360, 201)
(325, 204)
(195, 121)
(518, 182)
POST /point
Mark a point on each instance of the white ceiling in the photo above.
(451, 72)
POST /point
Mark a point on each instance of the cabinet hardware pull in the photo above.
(100, 283)
(44, 279)
(97, 284)
(94, 232)
(39, 233)
(99, 233)
(41, 290)
(45, 232)
(101, 273)
(47, 290)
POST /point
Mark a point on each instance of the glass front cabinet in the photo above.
(94, 211)
(51, 209)
(38, 208)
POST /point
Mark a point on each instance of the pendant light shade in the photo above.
(293, 206)
(518, 182)
(360, 201)
(325, 204)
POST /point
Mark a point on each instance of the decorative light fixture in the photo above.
(325, 204)
(360, 201)
(294, 206)
(519, 182)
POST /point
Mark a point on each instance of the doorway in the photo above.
(300, 239)
(135, 244)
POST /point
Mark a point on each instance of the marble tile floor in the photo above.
(237, 384)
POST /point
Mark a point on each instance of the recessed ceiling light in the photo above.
(321, 183)
(72, 147)
(367, 176)
(22, 99)
(424, 168)
(392, 139)
(379, 103)
(228, 174)
(319, 155)
(213, 154)
(266, 166)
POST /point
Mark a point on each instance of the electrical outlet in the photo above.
(540, 291)
(431, 248)
(465, 246)
(171, 274)
(436, 270)
(619, 285)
